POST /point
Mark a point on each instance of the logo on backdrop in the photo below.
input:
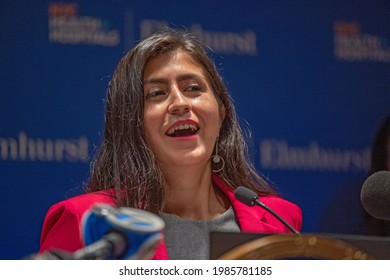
(66, 26)
(243, 43)
(351, 44)
(278, 154)
(25, 148)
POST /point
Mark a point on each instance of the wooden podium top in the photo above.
(241, 246)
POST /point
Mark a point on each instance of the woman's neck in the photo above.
(192, 196)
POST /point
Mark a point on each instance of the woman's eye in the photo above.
(155, 93)
(194, 88)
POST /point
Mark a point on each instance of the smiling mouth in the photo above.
(183, 130)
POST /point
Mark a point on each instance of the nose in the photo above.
(179, 103)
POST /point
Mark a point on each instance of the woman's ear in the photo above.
(222, 113)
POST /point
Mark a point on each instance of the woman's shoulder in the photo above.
(61, 226)
(82, 202)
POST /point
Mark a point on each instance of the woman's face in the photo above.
(182, 117)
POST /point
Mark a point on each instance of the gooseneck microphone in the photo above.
(250, 198)
(375, 195)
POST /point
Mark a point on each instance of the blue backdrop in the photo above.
(309, 78)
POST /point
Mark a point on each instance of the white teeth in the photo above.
(182, 126)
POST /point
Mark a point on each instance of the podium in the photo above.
(247, 246)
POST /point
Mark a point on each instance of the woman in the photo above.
(172, 146)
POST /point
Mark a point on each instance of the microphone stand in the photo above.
(112, 245)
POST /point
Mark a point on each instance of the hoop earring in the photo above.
(218, 163)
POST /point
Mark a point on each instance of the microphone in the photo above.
(114, 233)
(375, 195)
(250, 198)
(119, 233)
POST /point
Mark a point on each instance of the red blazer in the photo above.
(61, 227)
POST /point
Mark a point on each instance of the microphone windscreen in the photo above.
(246, 195)
(375, 195)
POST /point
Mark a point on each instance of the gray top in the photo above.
(190, 240)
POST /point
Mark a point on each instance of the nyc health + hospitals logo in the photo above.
(351, 44)
(67, 26)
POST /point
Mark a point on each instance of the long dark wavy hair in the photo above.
(379, 148)
(125, 161)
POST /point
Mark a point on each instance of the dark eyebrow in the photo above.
(155, 80)
(189, 76)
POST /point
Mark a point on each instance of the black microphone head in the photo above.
(375, 195)
(246, 195)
